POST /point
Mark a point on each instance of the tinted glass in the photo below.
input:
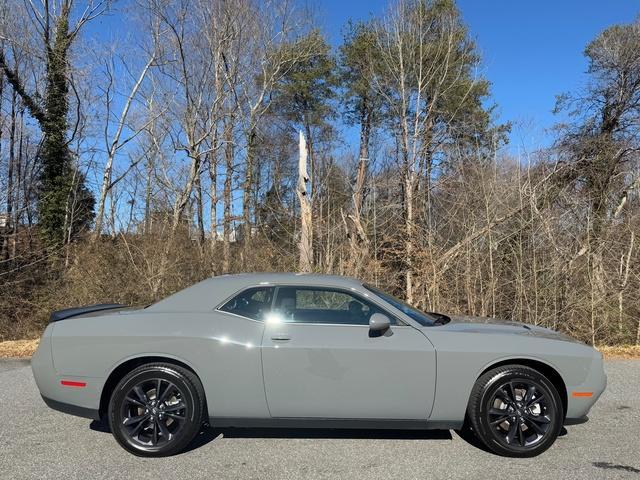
(253, 303)
(422, 318)
(323, 305)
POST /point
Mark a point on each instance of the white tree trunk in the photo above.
(305, 244)
(107, 183)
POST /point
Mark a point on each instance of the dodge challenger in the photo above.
(300, 350)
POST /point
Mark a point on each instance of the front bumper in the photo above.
(580, 398)
(575, 421)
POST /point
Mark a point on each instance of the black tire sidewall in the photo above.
(193, 410)
(481, 422)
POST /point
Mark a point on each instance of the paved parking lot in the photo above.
(38, 443)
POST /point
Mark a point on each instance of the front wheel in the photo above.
(515, 411)
(156, 410)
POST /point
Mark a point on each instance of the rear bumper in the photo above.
(71, 409)
(83, 402)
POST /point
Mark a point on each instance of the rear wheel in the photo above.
(156, 410)
(515, 411)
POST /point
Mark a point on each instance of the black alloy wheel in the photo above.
(520, 413)
(515, 411)
(156, 410)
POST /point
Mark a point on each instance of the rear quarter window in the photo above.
(253, 303)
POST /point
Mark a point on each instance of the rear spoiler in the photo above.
(75, 311)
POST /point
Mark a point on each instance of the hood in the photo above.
(493, 325)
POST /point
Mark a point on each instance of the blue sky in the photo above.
(531, 50)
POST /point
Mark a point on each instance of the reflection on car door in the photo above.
(337, 370)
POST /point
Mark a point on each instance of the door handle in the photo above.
(280, 337)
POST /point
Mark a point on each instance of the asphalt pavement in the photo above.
(39, 443)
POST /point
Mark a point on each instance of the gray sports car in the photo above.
(310, 351)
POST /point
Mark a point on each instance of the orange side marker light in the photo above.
(582, 394)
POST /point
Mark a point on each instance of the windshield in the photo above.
(422, 318)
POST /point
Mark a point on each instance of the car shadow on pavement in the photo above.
(468, 436)
(207, 435)
(99, 426)
(210, 434)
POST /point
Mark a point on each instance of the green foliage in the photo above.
(59, 182)
(359, 63)
(442, 61)
(304, 94)
(56, 180)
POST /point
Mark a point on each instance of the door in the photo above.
(319, 360)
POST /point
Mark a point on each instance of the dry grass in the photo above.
(18, 348)
(25, 348)
(622, 351)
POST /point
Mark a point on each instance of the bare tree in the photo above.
(116, 142)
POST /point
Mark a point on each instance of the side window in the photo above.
(323, 305)
(252, 303)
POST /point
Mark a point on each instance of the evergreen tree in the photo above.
(359, 64)
(305, 94)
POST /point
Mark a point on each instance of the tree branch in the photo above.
(35, 109)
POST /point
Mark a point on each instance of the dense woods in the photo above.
(134, 165)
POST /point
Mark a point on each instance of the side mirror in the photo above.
(379, 323)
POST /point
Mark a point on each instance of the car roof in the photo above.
(289, 278)
(211, 292)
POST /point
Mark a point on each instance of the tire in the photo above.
(151, 424)
(515, 411)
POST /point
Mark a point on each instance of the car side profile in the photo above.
(300, 350)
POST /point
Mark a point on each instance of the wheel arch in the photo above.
(126, 366)
(544, 368)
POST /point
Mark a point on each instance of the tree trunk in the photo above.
(358, 241)
(246, 190)
(217, 118)
(311, 173)
(18, 188)
(213, 192)
(227, 200)
(147, 196)
(199, 210)
(113, 148)
(185, 194)
(409, 182)
(10, 185)
(305, 244)
(104, 190)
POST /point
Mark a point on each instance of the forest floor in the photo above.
(25, 348)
